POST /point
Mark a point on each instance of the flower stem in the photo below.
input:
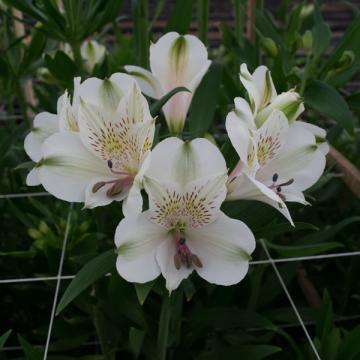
(164, 324)
(75, 46)
(203, 19)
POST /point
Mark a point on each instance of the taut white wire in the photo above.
(290, 299)
(58, 282)
(22, 195)
(255, 262)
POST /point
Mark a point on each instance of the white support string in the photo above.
(66, 235)
(24, 195)
(255, 262)
(290, 299)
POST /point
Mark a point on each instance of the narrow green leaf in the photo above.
(157, 105)
(203, 105)
(3, 338)
(143, 290)
(303, 250)
(278, 229)
(180, 17)
(253, 352)
(30, 352)
(92, 271)
(325, 99)
(136, 339)
(321, 33)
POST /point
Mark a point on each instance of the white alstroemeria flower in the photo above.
(92, 53)
(278, 160)
(94, 91)
(175, 60)
(106, 159)
(184, 229)
(264, 98)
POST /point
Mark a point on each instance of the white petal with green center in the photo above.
(224, 248)
(243, 111)
(67, 167)
(137, 240)
(174, 160)
(45, 124)
(318, 132)
(93, 53)
(148, 83)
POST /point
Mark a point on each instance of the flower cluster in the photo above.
(99, 148)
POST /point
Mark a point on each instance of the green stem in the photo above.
(164, 323)
(75, 46)
(203, 20)
(306, 74)
(239, 14)
(22, 102)
(141, 33)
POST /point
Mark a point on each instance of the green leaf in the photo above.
(34, 50)
(136, 339)
(324, 322)
(30, 352)
(303, 250)
(140, 15)
(157, 105)
(253, 352)
(203, 105)
(321, 33)
(349, 41)
(62, 67)
(180, 17)
(278, 229)
(143, 290)
(3, 338)
(92, 271)
(325, 99)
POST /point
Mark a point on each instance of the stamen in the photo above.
(116, 189)
(177, 261)
(98, 186)
(182, 241)
(278, 189)
(110, 164)
(289, 182)
(195, 259)
(275, 177)
(183, 255)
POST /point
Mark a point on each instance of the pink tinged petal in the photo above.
(67, 167)
(247, 188)
(224, 248)
(148, 83)
(165, 259)
(32, 178)
(45, 124)
(137, 241)
(173, 160)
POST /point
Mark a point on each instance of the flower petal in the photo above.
(137, 240)
(300, 159)
(247, 188)
(224, 248)
(318, 132)
(100, 197)
(67, 167)
(45, 124)
(67, 118)
(165, 259)
(32, 178)
(148, 83)
(173, 160)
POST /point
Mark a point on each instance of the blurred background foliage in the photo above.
(311, 46)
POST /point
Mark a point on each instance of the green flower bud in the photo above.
(346, 60)
(35, 234)
(269, 46)
(306, 10)
(307, 40)
(43, 227)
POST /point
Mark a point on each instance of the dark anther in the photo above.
(182, 241)
(110, 164)
(115, 190)
(275, 177)
(289, 182)
(98, 186)
(195, 259)
(278, 189)
(177, 261)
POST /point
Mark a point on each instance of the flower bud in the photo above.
(93, 53)
(306, 10)
(43, 227)
(290, 103)
(307, 40)
(269, 46)
(34, 233)
(346, 60)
